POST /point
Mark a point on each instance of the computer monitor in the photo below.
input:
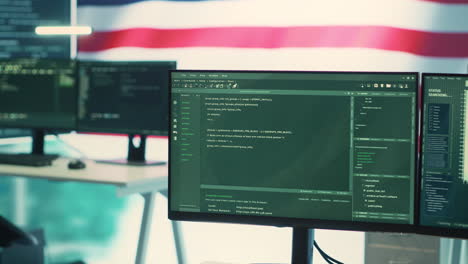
(127, 97)
(444, 171)
(18, 20)
(333, 150)
(38, 94)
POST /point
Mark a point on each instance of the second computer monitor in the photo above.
(124, 97)
(444, 165)
(37, 93)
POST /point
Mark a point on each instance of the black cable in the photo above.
(322, 253)
(73, 148)
(325, 256)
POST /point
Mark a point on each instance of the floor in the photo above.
(89, 222)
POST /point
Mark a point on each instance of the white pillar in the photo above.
(19, 193)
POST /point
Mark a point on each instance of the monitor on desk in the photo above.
(444, 171)
(126, 97)
(333, 150)
(38, 94)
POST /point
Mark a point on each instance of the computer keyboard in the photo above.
(34, 160)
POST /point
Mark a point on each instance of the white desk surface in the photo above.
(120, 175)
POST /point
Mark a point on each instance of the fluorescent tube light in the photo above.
(70, 30)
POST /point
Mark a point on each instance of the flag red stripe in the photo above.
(423, 43)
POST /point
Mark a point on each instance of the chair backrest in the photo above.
(12, 234)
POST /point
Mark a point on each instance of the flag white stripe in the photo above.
(409, 14)
(317, 59)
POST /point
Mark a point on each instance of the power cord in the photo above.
(325, 256)
(73, 148)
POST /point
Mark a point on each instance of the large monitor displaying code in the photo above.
(37, 93)
(124, 97)
(293, 146)
(444, 186)
(18, 20)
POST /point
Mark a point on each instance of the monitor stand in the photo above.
(136, 153)
(302, 245)
(38, 136)
(38, 139)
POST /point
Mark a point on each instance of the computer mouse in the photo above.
(76, 164)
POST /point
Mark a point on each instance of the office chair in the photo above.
(11, 234)
(20, 246)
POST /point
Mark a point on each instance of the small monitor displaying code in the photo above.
(37, 93)
(124, 97)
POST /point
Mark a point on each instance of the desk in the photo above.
(144, 180)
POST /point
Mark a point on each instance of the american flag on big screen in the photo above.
(396, 35)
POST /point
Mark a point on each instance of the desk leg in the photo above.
(464, 252)
(177, 233)
(178, 241)
(145, 228)
(450, 251)
(456, 251)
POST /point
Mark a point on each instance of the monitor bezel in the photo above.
(171, 64)
(300, 222)
(426, 229)
(75, 87)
